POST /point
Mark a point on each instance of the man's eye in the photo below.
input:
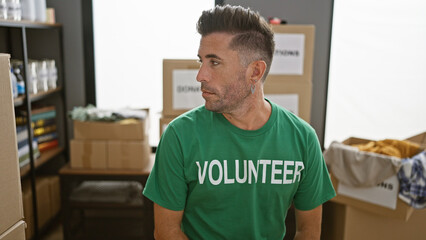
(213, 62)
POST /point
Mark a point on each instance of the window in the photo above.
(377, 77)
(131, 39)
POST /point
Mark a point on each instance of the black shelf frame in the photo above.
(28, 99)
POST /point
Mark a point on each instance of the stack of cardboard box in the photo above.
(110, 145)
(12, 227)
(289, 82)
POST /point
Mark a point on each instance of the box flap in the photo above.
(16, 232)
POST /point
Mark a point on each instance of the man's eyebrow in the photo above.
(210, 56)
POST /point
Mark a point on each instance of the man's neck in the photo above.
(252, 116)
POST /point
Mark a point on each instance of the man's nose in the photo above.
(202, 75)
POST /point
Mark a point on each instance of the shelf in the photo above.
(67, 170)
(19, 101)
(104, 205)
(44, 157)
(28, 24)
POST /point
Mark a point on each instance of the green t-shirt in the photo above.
(234, 183)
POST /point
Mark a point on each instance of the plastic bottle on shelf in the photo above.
(3, 9)
(14, 83)
(42, 76)
(17, 65)
(40, 9)
(28, 10)
(32, 81)
(14, 11)
(52, 74)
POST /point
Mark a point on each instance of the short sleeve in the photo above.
(315, 187)
(166, 185)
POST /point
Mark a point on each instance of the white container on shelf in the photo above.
(28, 10)
(14, 11)
(52, 71)
(32, 81)
(40, 6)
(3, 9)
(42, 76)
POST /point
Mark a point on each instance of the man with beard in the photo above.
(230, 169)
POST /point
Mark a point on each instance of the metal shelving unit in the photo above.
(26, 40)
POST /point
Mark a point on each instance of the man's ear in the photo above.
(258, 68)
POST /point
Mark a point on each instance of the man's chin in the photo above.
(211, 108)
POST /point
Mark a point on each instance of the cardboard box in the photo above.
(55, 194)
(294, 53)
(164, 122)
(128, 154)
(27, 199)
(343, 222)
(44, 204)
(402, 210)
(358, 198)
(10, 180)
(419, 139)
(16, 232)
(181, 91)
(295, 97)
(44, 208)
(90, 154)
(128, 129)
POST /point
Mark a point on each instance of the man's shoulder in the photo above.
(194, 116)
(290, 118)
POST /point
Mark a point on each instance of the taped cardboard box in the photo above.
(91, 154)
(294, 53)
(376, 199)
(10, 180)
(55, 195)
(28, 211)
(128, 154)
(127, 129)
(16, 232)
(344, 222)
(295, 97)
(44, 204)
(181, 91)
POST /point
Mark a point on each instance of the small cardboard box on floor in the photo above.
(48, 202)
(370, 213)
(344, 222)
(10, 181)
